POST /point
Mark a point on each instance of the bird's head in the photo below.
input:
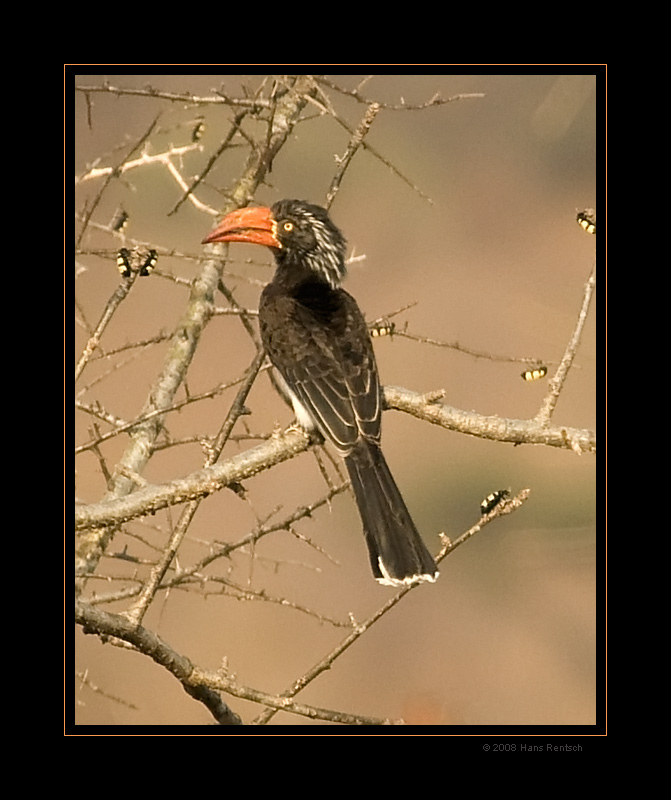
(301, 235)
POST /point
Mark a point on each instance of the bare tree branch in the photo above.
(557, 381)
(195, 318)
(120, 294)
(104, 624)
(176, 97)
(289, 444)
(359, 629)
(204, 686)
(436, 100)
(115, 511)
(113, 172)
(499, 429)
(355, 142)
(201, 685)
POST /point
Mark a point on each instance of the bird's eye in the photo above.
(287, 227)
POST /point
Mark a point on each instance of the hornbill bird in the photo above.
(318, 342)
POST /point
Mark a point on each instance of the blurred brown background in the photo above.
(497, 263)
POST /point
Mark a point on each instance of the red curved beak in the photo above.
(253, 225)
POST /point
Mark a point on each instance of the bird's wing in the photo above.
(323, 352)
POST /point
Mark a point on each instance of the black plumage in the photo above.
(319, 343)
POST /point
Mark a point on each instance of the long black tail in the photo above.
(397, 553)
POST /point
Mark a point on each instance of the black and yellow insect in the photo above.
(197, 132)
(534, 374)
(120, 220)
(492, 500)
(123, 262)
(138, 260)
(149, 263)
(587, 220)
(385, 328)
